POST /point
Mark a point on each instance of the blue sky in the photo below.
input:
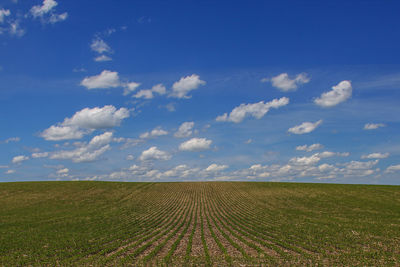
(303, 91)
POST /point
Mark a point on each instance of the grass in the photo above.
(221, 223)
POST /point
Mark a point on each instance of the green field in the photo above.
(220, 223)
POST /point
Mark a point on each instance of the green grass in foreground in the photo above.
(225, 223)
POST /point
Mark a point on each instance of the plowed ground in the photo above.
(204, 223)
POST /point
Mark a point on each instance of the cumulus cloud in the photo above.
(375, 156)
(315, 158)
(130, 87)
(325, 167)
(149, 93)
(182, 88)
(15, 28)
(19, 159)
(393, 168)
(106, 79)
(373, 126)
(360, 165)
(285, 84)
(310, 147)
(110, 79)
(99, 46)
(327, 154)
(97, 118)
(256, 110)
(46, 12)
(153, 153)
(40, 155)
(46, 7)
(195, 144)
(11, 139)
(87, 152)
(57, 133)
(338, 94)
(170, 107)
(10, 172)
(130, 157)
(85, 121)
(305, 160)
(159, 89)
(216, 168)
(248, 141)
(153, 133)
(63, 171)
(102, 58)
(146, 94)
(305, 127)
(185, 130)
(4, 13)
(54, 18)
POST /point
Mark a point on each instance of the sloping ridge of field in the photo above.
(199, 223)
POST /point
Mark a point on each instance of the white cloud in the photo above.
(86, 152)
(305, 160)
(54, 18)
(4, 13)
(375, 156)
(153, 133)
(19, 159)
(46, 7)
(325, 167)
(15, 29)
(195, 144)
(338, 94)
(12, 139)
(360, 165)
(328, 154)
(373, 126)
(63, 171)
(56, 133)
(310, 147)
(285, 84)
(170, 107)
(257, 110)
(149, 93)
(315, 158)
(130, 157)
(10, 172)
(159, 89)
(106, 79)
(185, 130)
(85, 121)
(146, 94)
(102, 58)
(40, 155)
(79, 70)
(216, 168)
(97, 118)
(130, 87)
(305, 127)
(393, 168)
(153, 153)
(101, 140)
(98, 45)
(181, 88)
(46, 12)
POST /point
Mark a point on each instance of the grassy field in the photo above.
(221, 223)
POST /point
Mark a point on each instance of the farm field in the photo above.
(198, 223)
